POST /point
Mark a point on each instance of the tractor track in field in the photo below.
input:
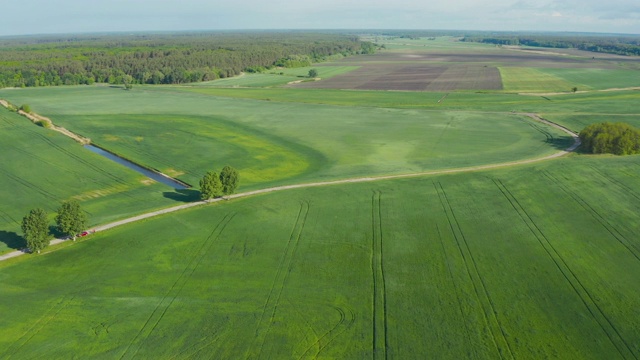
(456, 287)
(43, 321)
(496, 331)
(380, 344)
(285, 266)
(596, 312)
(174, 291)
(612, 230)
(140, 217)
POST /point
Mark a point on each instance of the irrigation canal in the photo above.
(159, 177)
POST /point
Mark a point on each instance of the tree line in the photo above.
(163, 58)
(620, 45)
(70, 220)
(611, 138)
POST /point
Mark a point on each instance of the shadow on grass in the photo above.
(53, 230)
(12, 240)
(183, 195)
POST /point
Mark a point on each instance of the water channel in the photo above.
(161, 178)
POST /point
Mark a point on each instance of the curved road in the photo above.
(576, 143)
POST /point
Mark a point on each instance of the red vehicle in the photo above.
(84, 233)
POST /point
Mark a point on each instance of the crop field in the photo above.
(520, 263)
(444, 65)
(277, 77)
(185, 134)
(41, 168)
(531, 261)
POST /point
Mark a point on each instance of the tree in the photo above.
(210, 186)
(618, 138)
(26, 108)
(229, 179)
(36, 230)
(313, 73)
(71, 219)
(574, 89)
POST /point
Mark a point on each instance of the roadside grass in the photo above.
(525, 79)
(461, 266)
(42, 168)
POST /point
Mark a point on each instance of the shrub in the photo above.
(26, 108)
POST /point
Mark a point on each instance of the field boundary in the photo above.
(151, 214)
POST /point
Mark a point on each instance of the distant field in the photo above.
(42, 168)
(532, 80)
(278, 77)
(527, 263)
(414, 77)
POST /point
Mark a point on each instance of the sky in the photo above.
(22, 17)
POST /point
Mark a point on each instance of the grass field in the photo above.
(41, 168)
(274, 142)
(533, 261)
(464, 266)
(277, 77)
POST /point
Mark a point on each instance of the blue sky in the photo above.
(74, 16)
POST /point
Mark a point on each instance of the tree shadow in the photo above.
(12, 240)
(53, 230)
(183, 195)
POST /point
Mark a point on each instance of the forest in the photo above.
(620, 45)
(160, 58)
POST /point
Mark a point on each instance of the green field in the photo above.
(463, 266)
(271, 142)
(277, 77)
(41, 168)
(529, 261)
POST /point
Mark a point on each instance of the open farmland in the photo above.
(41, 168)
(184, 133)
(529, 261)
(443, 65)
(520, 263)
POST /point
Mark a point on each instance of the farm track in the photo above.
(612, 230)
(174, 291)
(43, 321)
(458, 291)
(341, 326)
(338, 182)
(503, 348)
(578, 287)
(380, 345)
(285, 266)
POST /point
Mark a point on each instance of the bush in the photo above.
(26, 108)
(608, 138)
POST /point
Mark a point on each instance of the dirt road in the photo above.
(575, 145)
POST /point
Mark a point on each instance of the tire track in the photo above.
(70, 154)
(29, 185)
(332, 333)
(457, 290)
(380, 345)
(503, 348)
(272, 302)
(581, 291)
(172, 293)
(596, 215)
(40, 324)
